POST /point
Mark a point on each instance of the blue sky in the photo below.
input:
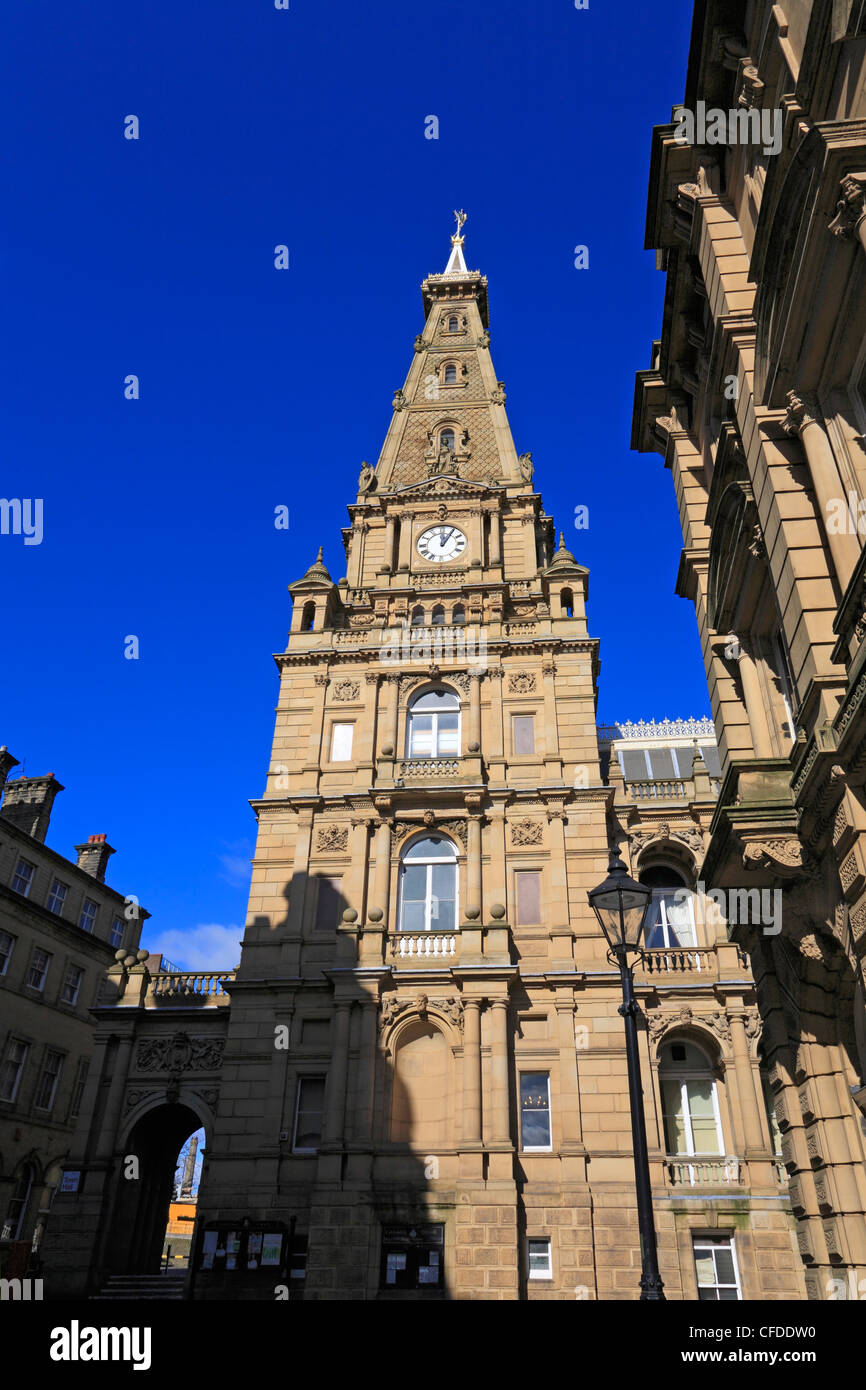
(259, 387)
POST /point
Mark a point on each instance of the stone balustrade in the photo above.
(724, 1171)
(188, 985)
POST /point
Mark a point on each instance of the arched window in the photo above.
(690, 1104)
(449, 376)
(308, 617)
(428, 885)
(458, 615)
(446, 439)
(434, 725)
(670, 920)
(437, 617)
(418, 616)
(453, 324)
(566, 598)
(16, 1212)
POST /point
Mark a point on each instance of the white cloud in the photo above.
(236, 866)
(206, 947)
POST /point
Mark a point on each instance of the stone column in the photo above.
(804, 419)
(476, 536)
(390, 523)
(472, 1071)
(392, 725)
(558, 905)
(335, 1100)
(552, 760)
(367, 1069)
(850, 219)
(356, 553)
(360, 842)
(500, 1132)
(569, 1096)
(754, 703)
(531, 557)
(494, 541)
(382, 879)
(473, 864)
(473, 743)
(752, 1130)
(316, 753)
(404, 557)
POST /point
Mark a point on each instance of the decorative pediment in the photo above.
(445, 486)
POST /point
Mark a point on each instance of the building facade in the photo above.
(756, 399)
(414, 1085)
(60, 928)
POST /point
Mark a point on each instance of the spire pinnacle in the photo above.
(456, 264)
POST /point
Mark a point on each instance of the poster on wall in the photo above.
(272, 1248)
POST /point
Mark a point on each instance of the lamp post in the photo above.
(620, 904)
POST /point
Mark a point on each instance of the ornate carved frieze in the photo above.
(785, 856)
(347, 690)
(522, 683)
(393, 1008)
(180, 1053)
(526, 832)
(332, 838)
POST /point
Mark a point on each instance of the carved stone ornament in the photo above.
(526, 466)
(210, 1097)
(332, 837)
(523, 683)
(135, 1095)
(526, 832)
(392, 1009)
(180, 1053)
(785, 856)
(803, 410)
(366, 477)
(850, 208)
(347, 690)
(399, 402)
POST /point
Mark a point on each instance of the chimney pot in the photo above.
(93, 856)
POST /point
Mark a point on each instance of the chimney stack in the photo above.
(7, 762)
(27, 803)
(93, 856)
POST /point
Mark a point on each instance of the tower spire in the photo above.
(456, 264)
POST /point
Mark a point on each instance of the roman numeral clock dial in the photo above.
(441, 543)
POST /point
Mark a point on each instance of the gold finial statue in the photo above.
(460, 215)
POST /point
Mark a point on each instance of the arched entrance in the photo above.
(145, 1188)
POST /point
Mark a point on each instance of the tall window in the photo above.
(437, 617)
(49, 1079)
(89, 910)
(523, 734)
(535, 1110)
(458, 615)
(527, 883)
(690, 1104)
(449, 376)
(716, 1269)
(57, 896)
(434, 725)
(418, 616)
(308, 617)
(38, 971)
(309, 1108)
(428, 885)
(341, 743)
(670, 919)
(72, 984)
(7, 945)
(13, 1068)
(328, 903)
(78, 1088)
(453, 324)
(23, 876)
(118, 927)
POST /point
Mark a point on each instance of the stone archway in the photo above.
(145, 1181)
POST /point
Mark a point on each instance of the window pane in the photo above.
(523, 734)
(341, 744)
(412, 916)
(528, 898)
(678, 911)
(535, 1110)
(414, 882)
(675, 1125)
(704, 1267)
(634, 765)
(724, 1267)
(662, 763)
(702, 1112)
(311, 1100)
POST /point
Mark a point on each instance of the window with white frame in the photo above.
(7, 946)
(23, 877)
(14, 1063)
(118, 927)
(38, 969)
(87, 919)
(309, 1109)
(433, 729)
(690, 1103)
(57, 896)
(49, 1079)
(428, 885)
(539, 1258)
(535, 1130)
(341, 743)
(670, 919)
(716, 1269)
(72, 984)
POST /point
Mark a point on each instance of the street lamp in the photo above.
(620, 904)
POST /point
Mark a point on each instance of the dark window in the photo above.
(308, 617)
(308, 1114)
(418, 617)
(23, 876)
(328, 904)
(450, 376)
(458, 616)
(438, 616)
(566, 598)
(535, 1109)
(453, 324)
(413, 1257)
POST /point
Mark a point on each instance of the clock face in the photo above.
(441, 543)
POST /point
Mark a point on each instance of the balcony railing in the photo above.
(423, 945)
(724, 1171)
(195, 984)
(429, 767)
(677, 960)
